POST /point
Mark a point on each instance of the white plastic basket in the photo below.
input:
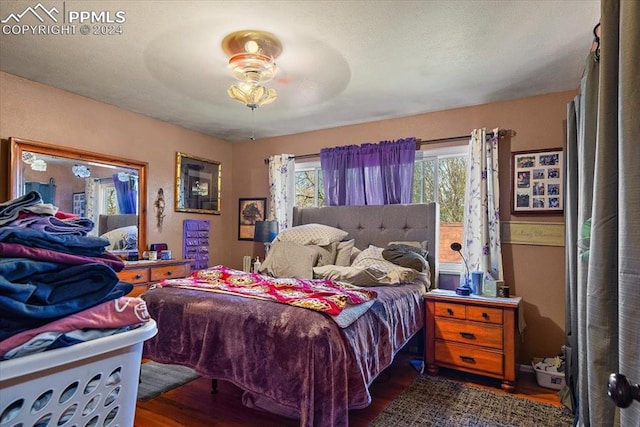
(548, 379)
(89, 384)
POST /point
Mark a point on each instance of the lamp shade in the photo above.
(265, 231)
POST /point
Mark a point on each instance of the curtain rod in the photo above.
(419, 143)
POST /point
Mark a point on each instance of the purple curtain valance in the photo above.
(370, 174)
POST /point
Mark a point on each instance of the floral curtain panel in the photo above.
(282, 189)
(481, 227)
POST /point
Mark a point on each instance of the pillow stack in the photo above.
(295, 251)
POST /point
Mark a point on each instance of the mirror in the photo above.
(110, 191)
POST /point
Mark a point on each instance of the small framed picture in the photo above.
(197, 185)
(537, 182)
(250, 211)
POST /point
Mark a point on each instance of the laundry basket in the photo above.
(89, 384)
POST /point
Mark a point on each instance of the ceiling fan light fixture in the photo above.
(252, 57)
(39, 165)
(252, 95)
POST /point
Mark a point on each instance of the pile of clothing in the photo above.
(58, 285)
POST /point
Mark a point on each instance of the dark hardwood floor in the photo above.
(193, 405)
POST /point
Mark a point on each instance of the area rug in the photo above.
(157, 378)
(436, 401)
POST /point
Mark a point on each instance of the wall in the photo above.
(536, 273)
(38, 112)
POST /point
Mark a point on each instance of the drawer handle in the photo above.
(169, 273)
(468, 359)
(450, 312)
(485, 315)
(468, 335)
(138, 276)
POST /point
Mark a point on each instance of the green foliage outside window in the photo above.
(451, 179)
(309, 188)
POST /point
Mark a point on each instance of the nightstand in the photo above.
(474, 334)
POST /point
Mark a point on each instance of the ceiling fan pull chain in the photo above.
(253, 125)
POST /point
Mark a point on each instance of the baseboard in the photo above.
(525, 368)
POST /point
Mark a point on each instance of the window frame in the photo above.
(313, 165)
(438, 153)
(425, 153)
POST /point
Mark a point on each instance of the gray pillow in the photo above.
(406, 256)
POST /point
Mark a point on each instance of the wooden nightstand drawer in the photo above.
(468, 358)
(168, 272)
(469, 333)
(451, 310)
(485, 314)
(134, 275)
(473, 334)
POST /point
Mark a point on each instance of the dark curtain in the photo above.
(371, 174)
(126, 193)
(603, 239)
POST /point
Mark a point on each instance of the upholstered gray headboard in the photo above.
(379, 225)
(111, 222)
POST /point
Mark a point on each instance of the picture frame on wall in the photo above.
(537, 182)
(197, 184)
(250, 210)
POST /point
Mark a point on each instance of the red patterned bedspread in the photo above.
(328, 296)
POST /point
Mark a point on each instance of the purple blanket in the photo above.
(53, 225)
(289, 360)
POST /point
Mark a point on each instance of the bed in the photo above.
(293, 361)
(121, 230)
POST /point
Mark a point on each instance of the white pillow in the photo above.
(122, 238)
(311, 234)
(343, 256)
(359, 276)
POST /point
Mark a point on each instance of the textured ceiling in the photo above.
(343, 62)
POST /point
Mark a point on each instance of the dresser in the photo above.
(474, 334)
(141, 274)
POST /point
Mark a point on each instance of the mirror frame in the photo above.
(18, 145)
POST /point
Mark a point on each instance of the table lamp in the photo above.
(464, 288)
(265, 232)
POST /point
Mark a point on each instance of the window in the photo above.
(439, 174)
(309, 187)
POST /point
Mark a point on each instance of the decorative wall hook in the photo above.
(159, 205)
(596, 40)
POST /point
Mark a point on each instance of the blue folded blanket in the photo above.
(33, 293)
(65, 243)
(10, 210)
